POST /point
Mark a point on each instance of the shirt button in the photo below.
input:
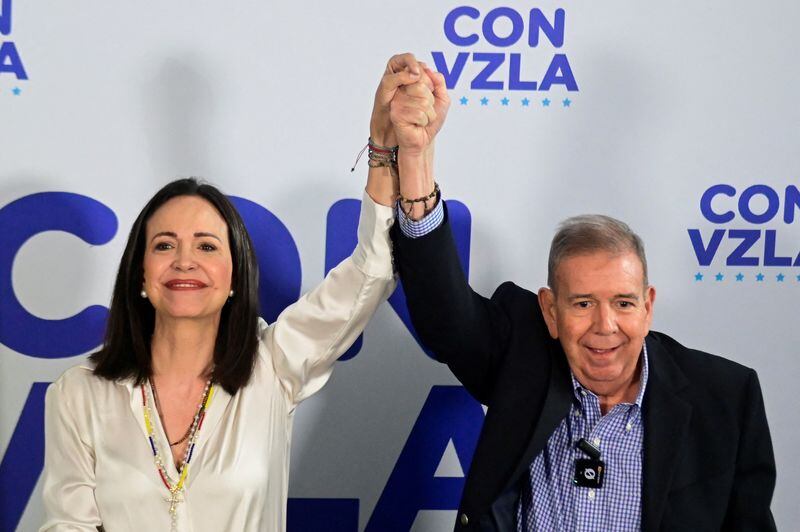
(583, 393)
(628, 427)
(591, 494)
(597, 441)
(464, 519)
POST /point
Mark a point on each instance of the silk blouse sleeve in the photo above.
(69, 481)
(309, 335)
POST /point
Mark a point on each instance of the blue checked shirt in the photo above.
(552, 501)
(417, 228)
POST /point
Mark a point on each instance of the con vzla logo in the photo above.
(10, 60)
(750, 227)
(483, 42)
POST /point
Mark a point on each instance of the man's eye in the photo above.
(583, 304)
(625, 304)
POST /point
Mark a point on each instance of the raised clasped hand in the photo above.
(402, 69)
(409, 96)
(409, 110)
(418, 111)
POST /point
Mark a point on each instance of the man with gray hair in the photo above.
(594, 422)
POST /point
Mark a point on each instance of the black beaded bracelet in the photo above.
(424, 200)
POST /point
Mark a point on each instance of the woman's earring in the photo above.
(230, 294)
(143, 294)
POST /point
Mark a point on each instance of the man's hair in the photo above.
(589, 233)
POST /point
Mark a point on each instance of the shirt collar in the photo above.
(578, 387)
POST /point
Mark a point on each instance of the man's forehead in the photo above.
(618, 273)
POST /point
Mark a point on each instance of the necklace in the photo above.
(161, 417)
(176, 489)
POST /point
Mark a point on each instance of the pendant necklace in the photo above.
(161, 417)
(176, 488)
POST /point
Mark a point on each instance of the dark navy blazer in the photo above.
(708, 462)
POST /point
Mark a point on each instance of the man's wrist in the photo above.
(418, 228)
(416, 173)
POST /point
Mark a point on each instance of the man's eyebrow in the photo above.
(626, 296)
(591, 296)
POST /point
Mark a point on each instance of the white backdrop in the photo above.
(271, 102)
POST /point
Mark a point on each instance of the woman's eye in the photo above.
(163, 246)
(208, 247)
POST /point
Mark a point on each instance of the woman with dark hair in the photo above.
(183, 419)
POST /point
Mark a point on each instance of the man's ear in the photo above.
(649, 304)
(547, 302)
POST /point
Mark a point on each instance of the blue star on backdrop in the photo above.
(759, 277)
(508, 101)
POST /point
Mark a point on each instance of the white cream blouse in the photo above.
(99, 467)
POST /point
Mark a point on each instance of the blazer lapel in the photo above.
(666, 423)
(556, 406)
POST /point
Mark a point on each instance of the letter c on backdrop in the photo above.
(450, 26)
(82, 216)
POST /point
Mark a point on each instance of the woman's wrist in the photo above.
(382, 186)
(381, 132)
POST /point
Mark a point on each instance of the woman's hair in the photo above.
(126, 349)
